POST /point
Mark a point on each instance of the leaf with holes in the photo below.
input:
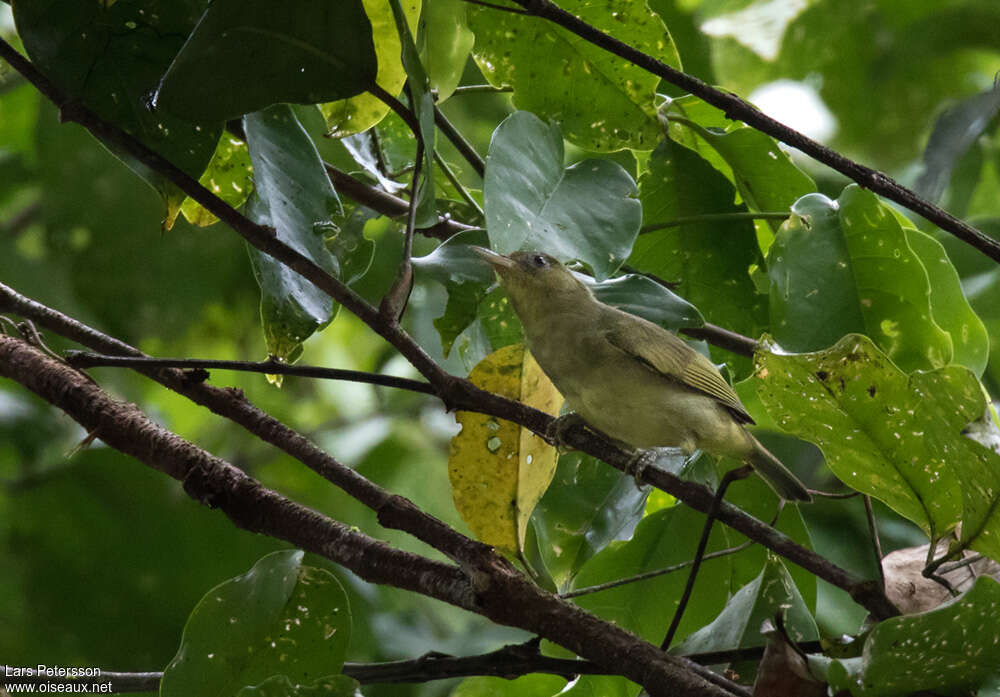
(894, 436)
(281, 618)
(602, 102)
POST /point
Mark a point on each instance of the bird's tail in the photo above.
(785, 484)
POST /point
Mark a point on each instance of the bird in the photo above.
(625, 376)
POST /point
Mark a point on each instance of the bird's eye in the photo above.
(539, 261)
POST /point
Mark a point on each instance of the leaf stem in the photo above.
(482, 89)
(462, 191)
(576, 593)
(463, 146)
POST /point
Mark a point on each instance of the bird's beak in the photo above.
(497, 261)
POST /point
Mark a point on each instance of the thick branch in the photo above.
(396, 512)
(737, 109)
(217, 484)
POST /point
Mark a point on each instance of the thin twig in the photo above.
(724, 339)
(453, 178)
(735, 108)
(876, 540)
(494, 6)
(699, 555)
(395, 300)
(409, 118)
(713, 218)
(482, 89)
(960, 564)
(458, 140)
(82, 359)
(389, 205)
(652, 574)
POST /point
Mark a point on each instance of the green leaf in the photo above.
(357, 114)
(663, 539)
(956, 645)
(294, 196)
(952, 312)
(895, 437)
(755, 497)
(710, 261)
(955, 131)
(110, 56)
(587, 506)
(764, 175)
(245, 55)
(602, 102)
(648, 299)
(534, 685)
(444, 40)
(586, 212)
(738, 625)
(281, 686)
(847, 266)
(280, 618)
(814, 299)
(229, 176)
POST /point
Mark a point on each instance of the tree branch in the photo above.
(387, 204)
(82, 359)
(737, 109)
(218, 484)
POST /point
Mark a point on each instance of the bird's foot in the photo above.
(640, 462)
(555, 434)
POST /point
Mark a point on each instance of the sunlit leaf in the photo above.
(444, 40)
(357, 114)
(229, 175)
(601, 101)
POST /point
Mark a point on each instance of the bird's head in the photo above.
(533, 278)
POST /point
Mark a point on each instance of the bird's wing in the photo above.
(671, 357)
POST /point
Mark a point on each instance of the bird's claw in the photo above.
(555, 434)
(637, 466)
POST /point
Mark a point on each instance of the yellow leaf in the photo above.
(498, 470)
(349, 116)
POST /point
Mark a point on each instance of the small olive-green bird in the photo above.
(627, 377)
